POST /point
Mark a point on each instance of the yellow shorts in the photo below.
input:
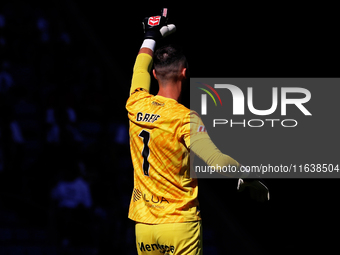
(168, 239)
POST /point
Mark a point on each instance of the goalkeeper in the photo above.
(164, 201)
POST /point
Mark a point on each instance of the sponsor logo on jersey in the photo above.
(136, 195)
(157, 104)
(156, 247)
(155, 199)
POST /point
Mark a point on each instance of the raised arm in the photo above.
(141, 72)
(155, 28)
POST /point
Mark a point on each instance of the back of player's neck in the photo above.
(169, 91)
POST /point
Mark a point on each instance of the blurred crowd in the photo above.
(62, 150)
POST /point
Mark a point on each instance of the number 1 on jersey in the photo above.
(145, 135)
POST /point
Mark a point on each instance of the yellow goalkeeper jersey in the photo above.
(162, 133)
(159, 134)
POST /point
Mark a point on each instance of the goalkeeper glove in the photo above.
(258, 191)
(156, 27)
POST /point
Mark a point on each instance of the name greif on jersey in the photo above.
(147, 117)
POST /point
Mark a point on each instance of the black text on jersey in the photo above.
(147, 117)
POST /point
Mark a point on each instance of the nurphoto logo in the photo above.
(275, 127)
(239, 99)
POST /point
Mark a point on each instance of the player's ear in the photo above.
(154, 73)
(184, 73)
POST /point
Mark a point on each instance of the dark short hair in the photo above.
(169, 60)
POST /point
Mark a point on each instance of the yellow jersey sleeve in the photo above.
(141, 73)
(192, 128)
(204, 148)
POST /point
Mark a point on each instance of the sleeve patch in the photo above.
(201, 128)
